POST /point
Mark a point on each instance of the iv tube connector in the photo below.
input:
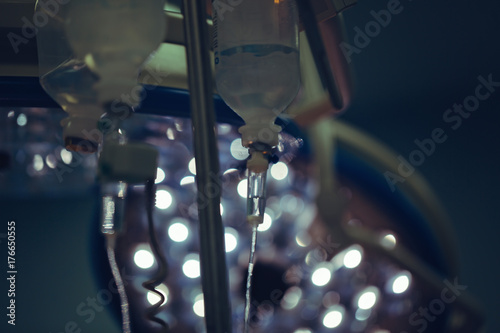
(113, 207)
(257, 166)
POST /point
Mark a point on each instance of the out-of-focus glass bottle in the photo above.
(89, 55)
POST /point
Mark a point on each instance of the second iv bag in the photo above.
(257, 69)
(89, 54)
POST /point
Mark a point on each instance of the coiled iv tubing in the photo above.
(161, 273)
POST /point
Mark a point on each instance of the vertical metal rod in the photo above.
(212, 250)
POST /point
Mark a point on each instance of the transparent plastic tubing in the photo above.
(120, 286)
(214, 274)
(113, 203)
(248, 293)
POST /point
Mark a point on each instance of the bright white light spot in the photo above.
(160, 175)
(238, 151)
(144, 259)
(191, 266)
(153, 298)
(281, 146)
(352, 258)
(38, 162)
(321, 276)
(302, 330)
(243, 188)
(187, 180)
(22, 120)
(231, 239)
(11, 114)
(163, 199)
(51, 161)
(228, 171)
(221, 208)
(388, 241)
(170, 134)
(89, 59)
(199, 306)
(279, 171)
(316, 256)
(178, 232)
(266, 223)
(179, 125)
(223, 129)
(192, 166)
(368, 298)
(303, 239)
(66, 156)
(333, 318)
(291, 298)
(401, 283)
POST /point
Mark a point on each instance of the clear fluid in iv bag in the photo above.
(258, 80)
(70, 84)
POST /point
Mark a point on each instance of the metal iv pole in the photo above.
(212, 250)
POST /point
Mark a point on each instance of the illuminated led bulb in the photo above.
(199, 306)
(279, 171)
(388, 240)
(333, 317)
(144, 259)
(191, 266)
(291, 298)
(399, 283)
(266, 223)
(243, 188)
(153, 298)
(178, 232)
(367, 298)
(163, 199)
(352, 258)
(231, 239)
(160, 175)
(321, 276)
(192, 166)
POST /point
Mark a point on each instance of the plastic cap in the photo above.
(81, 134)
(130, 163)
(254, 220)
(257, 162)
(264, 133)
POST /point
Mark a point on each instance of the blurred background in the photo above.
(427, 59)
